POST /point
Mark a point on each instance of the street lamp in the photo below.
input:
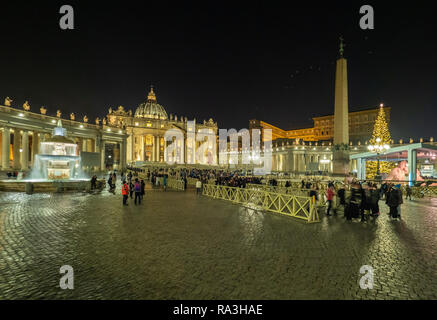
(378, 148)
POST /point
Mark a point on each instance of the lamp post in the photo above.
(378, 148)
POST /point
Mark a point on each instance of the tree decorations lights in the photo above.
(379, 143)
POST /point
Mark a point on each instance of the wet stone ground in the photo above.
(177, 245)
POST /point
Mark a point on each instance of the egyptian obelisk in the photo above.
(341, 117)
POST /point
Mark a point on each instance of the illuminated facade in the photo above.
(360, 127)
(146, 129)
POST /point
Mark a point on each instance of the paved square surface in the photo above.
(181, 246)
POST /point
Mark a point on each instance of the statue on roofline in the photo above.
(8, 102)
(26, 106)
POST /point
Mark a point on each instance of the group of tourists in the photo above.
(362, 202)
(133, 186)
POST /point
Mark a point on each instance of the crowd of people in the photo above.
(362, 200)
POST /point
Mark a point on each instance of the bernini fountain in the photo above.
(57, 167)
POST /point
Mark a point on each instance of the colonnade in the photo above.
(299, 161)
(22, 150)
(19, 147)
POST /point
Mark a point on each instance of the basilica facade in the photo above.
(146, 129)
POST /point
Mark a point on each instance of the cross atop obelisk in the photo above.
(342, 45)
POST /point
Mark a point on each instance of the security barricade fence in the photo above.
(191, 181)
(280, 189)
(175, 184)
(290, 205)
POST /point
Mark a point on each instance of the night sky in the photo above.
(232, 61)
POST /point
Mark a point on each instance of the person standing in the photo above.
(342, 198)
(393, 200)
(353, 208)
(131, 189)
(164, 181)
(198, 186)
(93, 182)
(125, 192)
(143, 188)
(137, 188)
(409, 192)
(110, 182)
(330, 197)
(374, 200)
(366, 202)
(114, 180)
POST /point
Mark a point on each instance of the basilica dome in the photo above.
(151, 109)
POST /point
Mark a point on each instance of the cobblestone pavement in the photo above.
(181, 246)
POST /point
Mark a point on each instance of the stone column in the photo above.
(102, 155)
(16, 149)
(84, 144)
(142, 155)
(301, 162)
(6, 142)
(93, 145)
(158, 148)
(122, 155)
(79, 145)
(274, 167)
(25, 151)
(154, 149)
(129, 154)
(96, 145)
(35, 145)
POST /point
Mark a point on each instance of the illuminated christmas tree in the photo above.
(381, 136)
(380, 130)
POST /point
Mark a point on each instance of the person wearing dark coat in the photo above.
(143, 188)
(341, 194)
(394, 200)
(131, 189)
(110, 183)
(354, 206)
(374, 201)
